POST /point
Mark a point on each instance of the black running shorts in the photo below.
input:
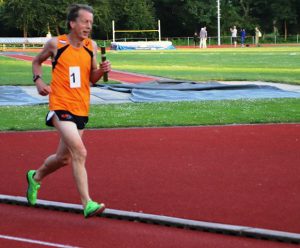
(64, 115)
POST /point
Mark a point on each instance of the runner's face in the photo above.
(83, 24)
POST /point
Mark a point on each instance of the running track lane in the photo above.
(74, 230)
(243, 175)
(113, 75)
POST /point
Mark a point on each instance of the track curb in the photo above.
(234, 230)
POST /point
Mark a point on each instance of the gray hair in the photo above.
(74, 12)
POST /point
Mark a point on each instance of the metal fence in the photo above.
(227, 40)
(24, 43)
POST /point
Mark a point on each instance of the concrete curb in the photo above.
(243, 231)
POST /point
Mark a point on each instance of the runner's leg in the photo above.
(61, 158)
(71, 137)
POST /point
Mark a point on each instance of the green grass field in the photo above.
(163, 114)
(275, 64)
(266, 64)
(278, 64)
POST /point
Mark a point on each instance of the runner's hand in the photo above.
(42, 88)
(105, 66)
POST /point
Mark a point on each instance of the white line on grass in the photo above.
(32, 241)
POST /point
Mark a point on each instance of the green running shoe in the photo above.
(92, 208)
(33, 187)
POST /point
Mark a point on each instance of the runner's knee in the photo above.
(79, 153)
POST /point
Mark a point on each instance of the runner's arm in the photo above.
(97, 73)
(48, 51)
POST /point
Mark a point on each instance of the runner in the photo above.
(74, 66)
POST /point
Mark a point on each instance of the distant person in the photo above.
(203, 38)
(196, 39)
(257, 36)
(234, 35)
(243, 37)
(74, 67)
(49, 35)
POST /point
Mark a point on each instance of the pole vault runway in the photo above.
(241, 175)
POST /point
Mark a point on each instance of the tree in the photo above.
(55, 16)
(133, 15)
(102, 18)
(23, 14)
(178, 18)
(196, 14)
(184, 17)
(284, 13)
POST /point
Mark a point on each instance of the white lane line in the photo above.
(32, 241)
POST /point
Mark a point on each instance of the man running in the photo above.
(74, 67)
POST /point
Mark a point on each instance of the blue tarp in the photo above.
(158, 91)
(163, 91)
(14, 95)
(142, 45)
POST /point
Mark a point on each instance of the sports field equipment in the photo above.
(140, 45)
(93, 208)
(33, 188)
(136, 31)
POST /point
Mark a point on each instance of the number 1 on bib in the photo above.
(74, 77)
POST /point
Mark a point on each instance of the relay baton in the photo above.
(103, 58)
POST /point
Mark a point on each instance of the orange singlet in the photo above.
(70, 83)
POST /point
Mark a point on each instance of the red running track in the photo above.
(74, 230)
(242, 175)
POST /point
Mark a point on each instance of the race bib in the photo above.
(74, 77)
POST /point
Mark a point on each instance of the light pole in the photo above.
(219, 22)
